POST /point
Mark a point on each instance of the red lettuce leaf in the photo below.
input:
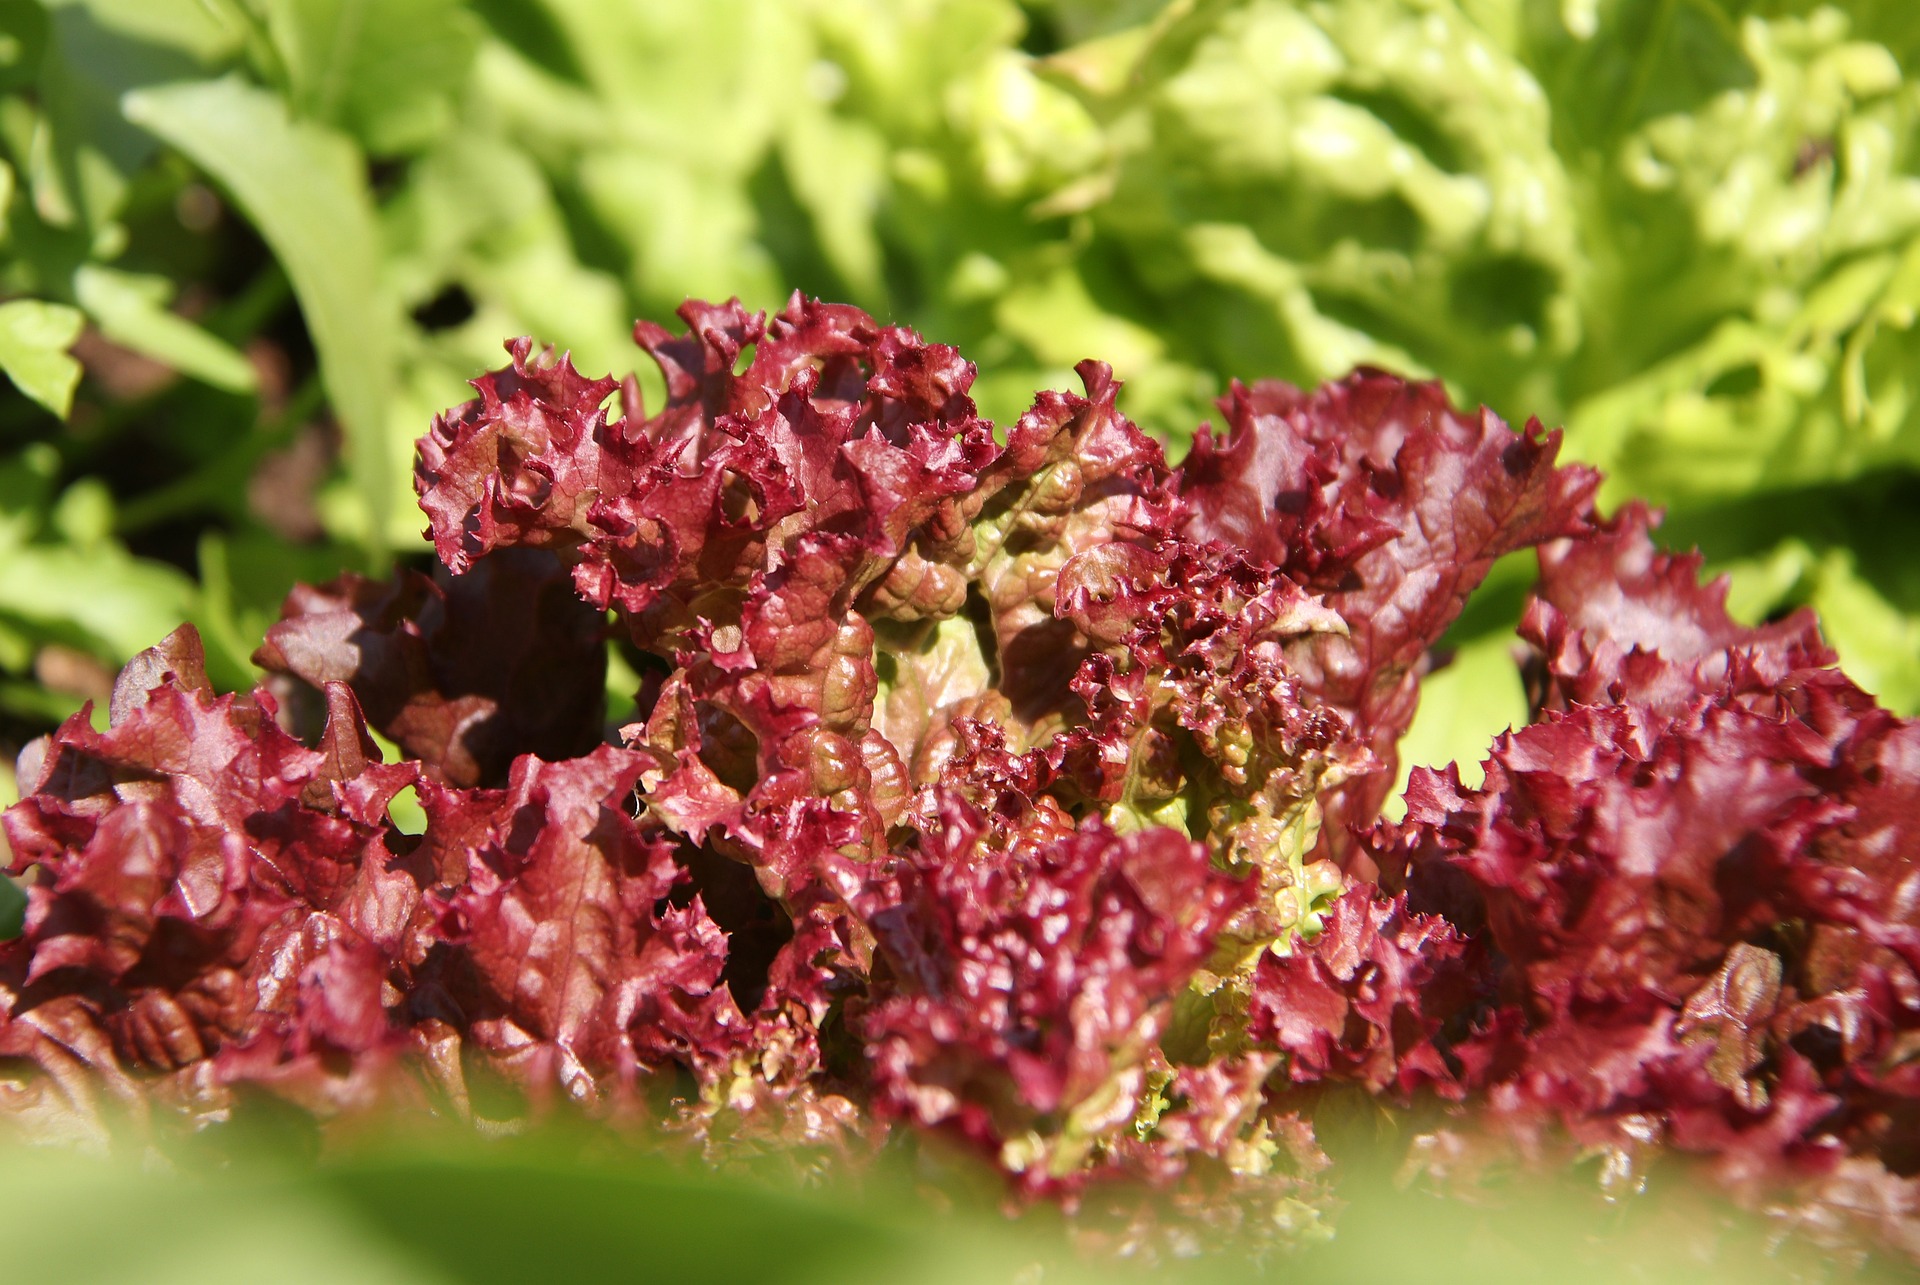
(213, 904)
(1030, 967)
(1015, 792)
(1694, 877)
(571, 971)
(1616, 620)
(502, 661)
(1365, 1000)
(1393, 504)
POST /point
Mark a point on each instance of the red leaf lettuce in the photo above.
(1016, 787)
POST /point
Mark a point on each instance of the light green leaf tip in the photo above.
(34, 338)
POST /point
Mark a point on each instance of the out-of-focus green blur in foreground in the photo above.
(543, 1208)
(249, 247)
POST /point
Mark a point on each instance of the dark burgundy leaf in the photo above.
(502, 661)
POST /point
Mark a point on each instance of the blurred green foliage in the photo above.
(551, 1206)
(249, 247)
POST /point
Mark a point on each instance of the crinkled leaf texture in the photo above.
(1694, 882)
(1018, 789)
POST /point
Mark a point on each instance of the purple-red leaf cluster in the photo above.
(1010, 787)
(1695, 879)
